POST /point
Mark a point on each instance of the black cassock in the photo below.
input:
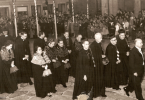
(111, 70)
(99, 86)
(24, 66)
(124, 65)
(84, 66)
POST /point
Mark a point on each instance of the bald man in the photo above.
(99, 86)
(136, 63)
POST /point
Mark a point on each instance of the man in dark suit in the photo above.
(136, 62)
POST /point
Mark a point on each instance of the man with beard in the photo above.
(98, 87)
(111, 69)
(136, 64)
(77, 47)
(84, 71)
(40, 41)
(123, 49)
(22, 59)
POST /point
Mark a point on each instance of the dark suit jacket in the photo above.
(136, 62)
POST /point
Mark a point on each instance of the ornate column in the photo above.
(137, 7)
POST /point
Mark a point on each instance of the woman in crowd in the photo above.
(51, 53)
(62, 55)
(42, 74)
(9, 83)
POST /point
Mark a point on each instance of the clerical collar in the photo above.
(138, 48)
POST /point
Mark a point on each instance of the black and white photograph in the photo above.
(72, 50)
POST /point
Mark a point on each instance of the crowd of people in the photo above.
(54, 61)
(108, 25)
